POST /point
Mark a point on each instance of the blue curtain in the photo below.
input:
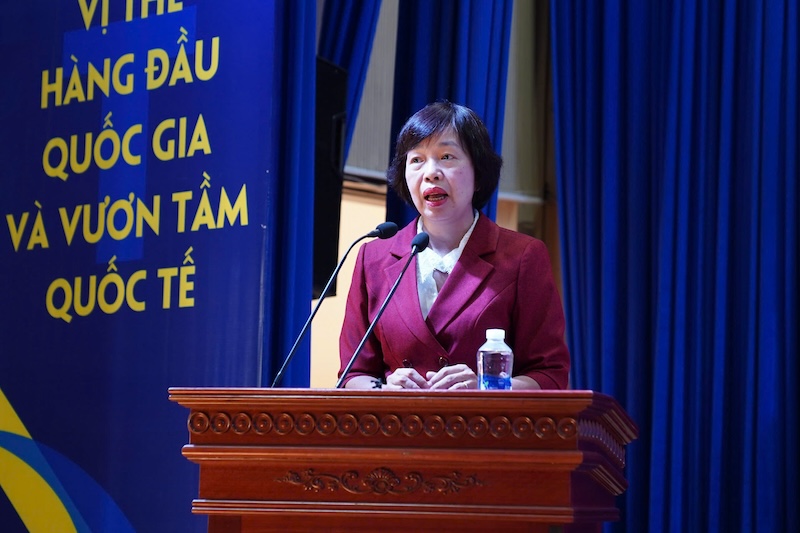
(346, 36)
(453, 50)
(289, 233)
(677, 161)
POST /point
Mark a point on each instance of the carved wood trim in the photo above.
(380, 481)
(390, 425)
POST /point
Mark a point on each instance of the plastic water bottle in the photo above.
(495, 361)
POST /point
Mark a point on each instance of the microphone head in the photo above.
(384, 230)
(419, 242)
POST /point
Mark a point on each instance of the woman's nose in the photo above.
(432, 172)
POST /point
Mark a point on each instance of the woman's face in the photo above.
(441, 179)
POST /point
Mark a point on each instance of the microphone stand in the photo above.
(419, 243)
(383, 231)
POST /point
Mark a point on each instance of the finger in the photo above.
(414, 380)
(464, 379)
(407, 378)
(449, 376)
(469, 384)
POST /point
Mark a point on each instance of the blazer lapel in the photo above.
(405, 302)
(467, 276)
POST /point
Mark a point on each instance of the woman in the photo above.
(473, 276)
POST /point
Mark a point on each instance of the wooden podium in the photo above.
(343, 460)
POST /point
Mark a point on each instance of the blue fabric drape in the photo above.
(677, 136)
(453, 50)
(346, 36)
(289, 233)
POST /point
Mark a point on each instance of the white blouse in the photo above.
(428, 261)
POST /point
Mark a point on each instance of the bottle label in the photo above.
(494, 370)
(495, 383)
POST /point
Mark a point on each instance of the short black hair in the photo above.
(435, 119)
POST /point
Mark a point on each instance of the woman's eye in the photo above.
(414, 160)
(447, 156)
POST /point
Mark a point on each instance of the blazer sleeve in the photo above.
(540, 349)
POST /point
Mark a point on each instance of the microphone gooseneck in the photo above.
(383, 231)
(418, 243)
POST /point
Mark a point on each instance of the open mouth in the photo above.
(435, 197)
(434, 194)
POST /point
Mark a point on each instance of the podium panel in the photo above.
(343, 460)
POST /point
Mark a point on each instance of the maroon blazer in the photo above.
(502, 280)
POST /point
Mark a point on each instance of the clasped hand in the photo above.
(450, 377)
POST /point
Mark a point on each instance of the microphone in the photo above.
(384, 230)
(418, 243)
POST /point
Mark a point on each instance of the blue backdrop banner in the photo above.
(137, 142)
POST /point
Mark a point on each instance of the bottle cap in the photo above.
(496, 334)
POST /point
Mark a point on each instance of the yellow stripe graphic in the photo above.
(34, 499)
(9, 421)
